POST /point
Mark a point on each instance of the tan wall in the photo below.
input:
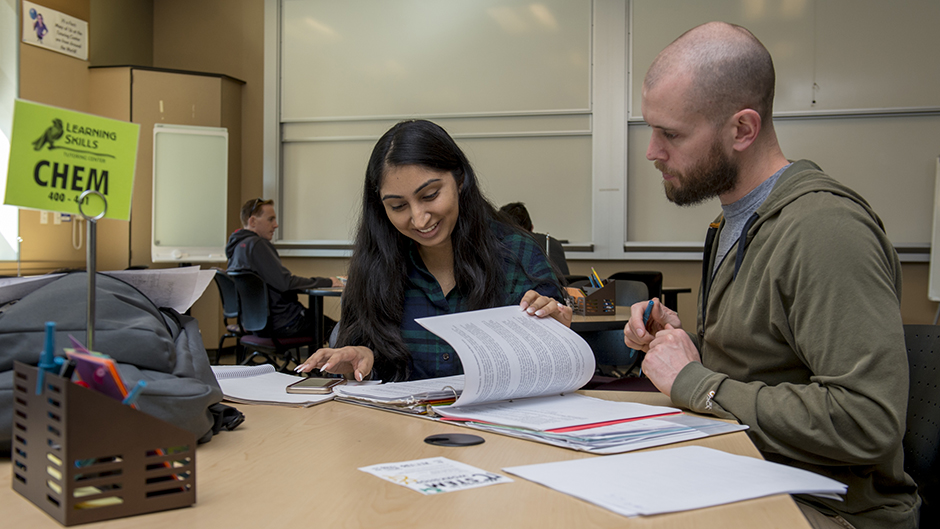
(63, 81)
(223, 37)
(123, 33)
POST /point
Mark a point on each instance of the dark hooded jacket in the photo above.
(246, 250)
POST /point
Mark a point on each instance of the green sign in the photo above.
(56, 155)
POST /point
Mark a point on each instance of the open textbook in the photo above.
(520, 378)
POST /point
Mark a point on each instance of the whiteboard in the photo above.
(828, 54)
(378, 58)
(855, 94)
(933, 290)
(888, 160)
(190, 194)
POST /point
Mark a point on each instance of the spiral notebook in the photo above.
(262, 385)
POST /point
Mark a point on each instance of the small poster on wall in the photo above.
(50, 29)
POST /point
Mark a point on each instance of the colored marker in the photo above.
(47, 357)
(132, 396)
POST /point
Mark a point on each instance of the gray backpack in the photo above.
(157, 345)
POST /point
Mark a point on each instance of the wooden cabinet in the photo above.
(149, 96)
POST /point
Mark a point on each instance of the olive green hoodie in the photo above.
(801, 339)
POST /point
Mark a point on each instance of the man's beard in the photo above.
(714, 175)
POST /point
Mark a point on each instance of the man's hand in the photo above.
(670, 351)
(637, 335)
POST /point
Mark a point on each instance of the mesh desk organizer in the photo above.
(596, 301)
(82, 456)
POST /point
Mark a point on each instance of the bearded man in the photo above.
(799, 330)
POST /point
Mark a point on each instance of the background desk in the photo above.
(297, 467)
(315, 303)
(607, 322)
(671, 296)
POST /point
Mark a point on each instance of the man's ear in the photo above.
(746, 125)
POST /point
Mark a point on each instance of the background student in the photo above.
(550, 245)
(250, 249)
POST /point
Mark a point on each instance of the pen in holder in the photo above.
(590, 301)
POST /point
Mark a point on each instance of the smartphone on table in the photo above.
(315, 385)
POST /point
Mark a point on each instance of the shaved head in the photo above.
(730, 69)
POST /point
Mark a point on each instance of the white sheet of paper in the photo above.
(262, 385)
(435, 475)
(504, 351)
(672, 480)
(177, 288)
(557, 411)
(16, 287)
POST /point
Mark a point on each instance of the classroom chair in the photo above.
(569, 279)
(652, 279)
(229, 312)
(922, 438)
(612, 356)
(254, 317)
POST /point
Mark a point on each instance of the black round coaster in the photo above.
(453, 439)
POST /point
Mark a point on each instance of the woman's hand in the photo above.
(353, 362)
(542, 306)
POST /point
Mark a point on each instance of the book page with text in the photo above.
(508, 354)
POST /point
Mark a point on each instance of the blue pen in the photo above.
(47, 357)
(646, 319)
(647, 313)
(132, 396)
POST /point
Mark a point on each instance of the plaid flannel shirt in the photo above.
(526, 268)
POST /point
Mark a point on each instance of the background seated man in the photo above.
(517, 212)
(250, 249)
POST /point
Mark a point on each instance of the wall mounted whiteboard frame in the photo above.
(598, 191)
(9, 91)
(875, 54)
(190, 194)
(933, 289)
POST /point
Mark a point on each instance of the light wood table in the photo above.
(297, 467)
(603, 322)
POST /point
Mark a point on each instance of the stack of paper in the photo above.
(406, 397)
(261, 385)
(622, 436)
(521, 373)
(675, 479)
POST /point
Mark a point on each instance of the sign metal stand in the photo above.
(90, 263)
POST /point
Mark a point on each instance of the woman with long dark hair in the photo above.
(428, 243)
